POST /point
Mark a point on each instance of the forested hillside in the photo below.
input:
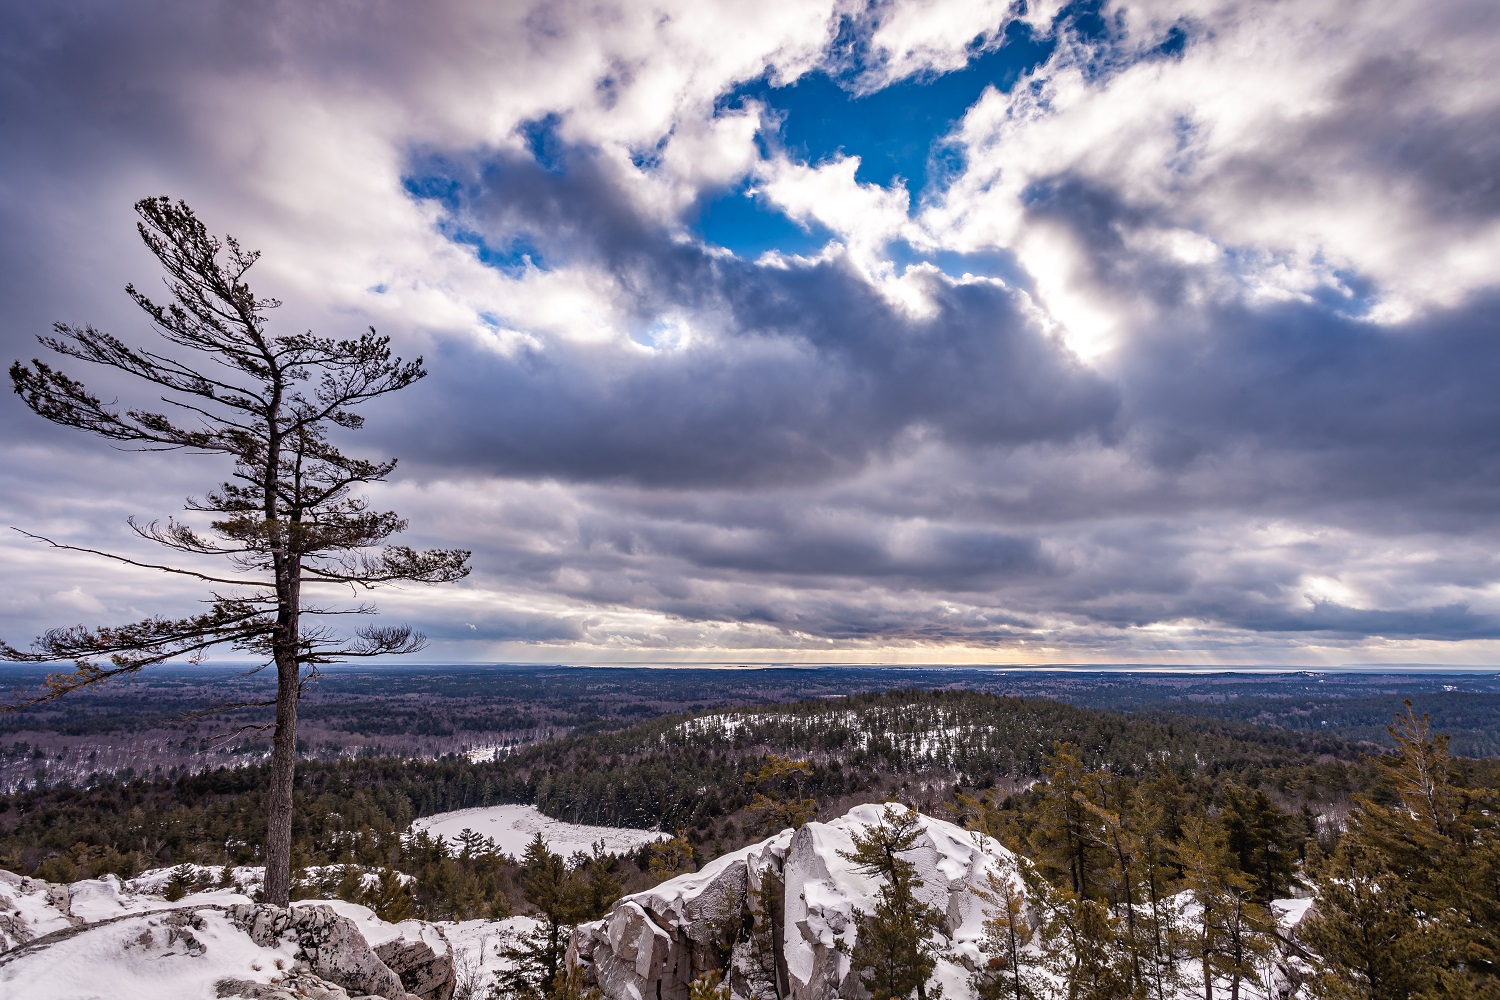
(677, 773)
(1113, 810)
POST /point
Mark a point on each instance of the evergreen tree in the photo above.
(1078, 942)
(1409, 902)
(666, 859)
(1232, 931)
(709, 985)
(1123, 849)
(288, 518)
(559, 897)
(1146, 824)
(599, 881)
(570, 985)
(894, 954)
(1263, 839)
(779, 799)
(1064, 836)
(1369, 938)
(1006, 935)
(390, 897)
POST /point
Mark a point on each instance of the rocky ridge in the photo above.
(652, 944)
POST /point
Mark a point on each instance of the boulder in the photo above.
(297, 986)
(31, 908)
(330, 945)
(424, 971)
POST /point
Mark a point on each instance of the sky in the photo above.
(822, 330)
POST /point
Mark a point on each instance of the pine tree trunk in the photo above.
(278, 883)
(285, 646)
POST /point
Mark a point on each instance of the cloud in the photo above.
(780, 372)
(1352, 151)
(1228, 397)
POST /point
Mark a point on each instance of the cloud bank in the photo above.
(917, 331)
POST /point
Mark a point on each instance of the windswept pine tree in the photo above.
(289, 516)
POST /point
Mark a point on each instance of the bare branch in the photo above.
(132, 562)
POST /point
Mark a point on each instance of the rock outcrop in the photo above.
(331, 946)
(424, 971)
(62, 941)
(783, 909)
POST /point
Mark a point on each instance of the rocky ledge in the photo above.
(71, 941)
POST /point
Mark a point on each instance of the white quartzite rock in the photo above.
(652, 944)
(330, 944)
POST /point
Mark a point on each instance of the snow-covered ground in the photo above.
(512, 827)
(123, 940)
(128, 943)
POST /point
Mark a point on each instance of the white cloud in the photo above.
(932, 36)
(1271, 135)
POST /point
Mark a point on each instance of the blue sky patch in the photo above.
(749, 226)
(895, 131)
(511, 258)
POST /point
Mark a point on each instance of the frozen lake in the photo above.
(512, 827)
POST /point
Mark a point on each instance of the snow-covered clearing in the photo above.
(513, 826)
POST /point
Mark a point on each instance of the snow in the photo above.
(1289, 912)
(117, 962)
(931, 735)
(670, 896)
(28, 901)
(640, 942)
(476, 949)
(512, 827)
(246, 879)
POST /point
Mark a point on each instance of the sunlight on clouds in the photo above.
(867, 216)
(1248, 145)
(934, 35)
(1328, 590)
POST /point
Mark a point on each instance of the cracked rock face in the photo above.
(792, 943)
(424, 972)
(30, 907)
(331, 946)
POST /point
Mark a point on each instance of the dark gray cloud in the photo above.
(804, 372)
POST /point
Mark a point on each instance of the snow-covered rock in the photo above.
(655, 943)
(328, 943)
(100, 938)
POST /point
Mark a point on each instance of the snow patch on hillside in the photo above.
(512, 827)
(929, 736)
